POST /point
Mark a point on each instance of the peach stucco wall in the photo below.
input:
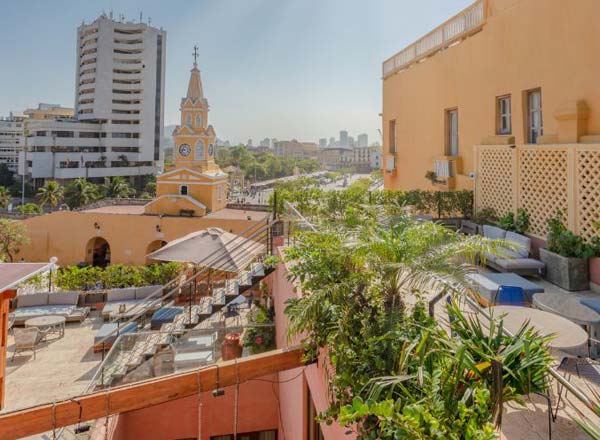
(65, 234)
(525, 44)
(257, 411)
(292, 387)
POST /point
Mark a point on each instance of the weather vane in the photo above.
(195, 55)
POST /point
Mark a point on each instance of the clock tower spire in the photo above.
(194, 185)
(194, 139)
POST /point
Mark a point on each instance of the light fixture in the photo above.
(96, 226)
(158, 228)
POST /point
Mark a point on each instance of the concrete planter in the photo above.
(595, 270)
(469, 227)
(567, 273)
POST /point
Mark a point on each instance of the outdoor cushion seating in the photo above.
(45, 304)
(164, 316)
(515, 259)
(135, 299)
(107, 329)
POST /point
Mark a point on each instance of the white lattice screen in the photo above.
(548, 178)
(495, 178)
(542, 186)
(588, 191)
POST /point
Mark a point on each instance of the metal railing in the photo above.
(461, 25)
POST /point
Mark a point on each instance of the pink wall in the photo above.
(257, 411)
(292, 387)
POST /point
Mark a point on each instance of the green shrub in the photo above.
(520, 224)
(116, 276)
(564, 242)
(262, 337)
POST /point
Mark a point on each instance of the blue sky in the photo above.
(280, 68)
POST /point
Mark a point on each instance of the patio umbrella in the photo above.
(212, 248)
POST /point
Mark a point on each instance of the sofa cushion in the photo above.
(107, 329)
(493, 232)
(520, 263)
(69, 298)
(35, 311)
(523, 244)
(145, 291)
(120, 294)
(33, 299)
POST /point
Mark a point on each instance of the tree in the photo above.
(5, 197)
(51, 193)
(117, 188)
(29, 209)
(13, 235)
(7, 177)
(80, 192)
(395, 373)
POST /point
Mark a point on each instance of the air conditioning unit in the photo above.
(390, 163)
(443, 168)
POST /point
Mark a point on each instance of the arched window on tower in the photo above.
(199, 150)
(188, 120)
(183, 190)
(198, 120)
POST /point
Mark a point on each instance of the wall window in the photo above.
(503, 115)
(198, 121)
(452, 132)
(535, 126)
(199, 150)
(219, 193)
(188, 120)
(392, 134)
(183, 190)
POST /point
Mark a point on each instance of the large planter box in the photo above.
(595, 270)
(568, 273)
(469, 227)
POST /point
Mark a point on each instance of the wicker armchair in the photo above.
(26, 339)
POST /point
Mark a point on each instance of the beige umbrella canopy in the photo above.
(213, 248)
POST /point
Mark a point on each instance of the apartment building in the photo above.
(366, 159)
(119, 108)
(332, 159)
(12, 140)
(293, 148)
(502, 73)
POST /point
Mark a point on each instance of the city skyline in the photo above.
(261, 78)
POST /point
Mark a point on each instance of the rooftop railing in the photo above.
(460, 26)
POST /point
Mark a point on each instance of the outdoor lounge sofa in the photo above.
(135, 300)
(515, 260)
(44, 304)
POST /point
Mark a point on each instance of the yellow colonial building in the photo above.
(195, 185)
(191, 195)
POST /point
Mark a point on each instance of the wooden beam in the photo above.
(146, 393)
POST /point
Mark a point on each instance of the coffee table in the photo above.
(570, 306)
(486, 285)
(567, 336)
(48, 324)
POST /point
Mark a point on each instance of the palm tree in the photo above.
(51, 193)
(80, 192)
(5, 197)
(117, 188)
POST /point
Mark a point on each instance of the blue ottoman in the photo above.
(164, 316)
(592, 303)
(106, 329)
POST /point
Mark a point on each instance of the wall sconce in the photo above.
(158, 228)
(96, 226)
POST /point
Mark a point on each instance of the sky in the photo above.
(301, 69)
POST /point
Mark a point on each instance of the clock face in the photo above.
(211, 150)
(184, 150)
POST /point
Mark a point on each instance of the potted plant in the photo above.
(474, 225)
(566, 257)
(595, 258)
(259, 336)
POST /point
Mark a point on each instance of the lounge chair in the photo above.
(515, 260)
(35, 305)
(26, 339)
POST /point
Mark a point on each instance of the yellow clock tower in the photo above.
(194, 185)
